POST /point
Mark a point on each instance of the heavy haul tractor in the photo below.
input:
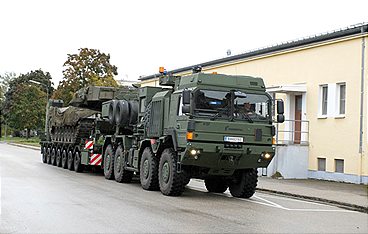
(206, 126)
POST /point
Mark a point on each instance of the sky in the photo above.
(142, 35)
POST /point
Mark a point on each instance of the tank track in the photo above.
(73, 134)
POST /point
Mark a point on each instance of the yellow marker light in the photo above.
(214, 73)
(273, 141)
(190, 135)
(161, 69)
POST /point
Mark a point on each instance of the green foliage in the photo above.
(28, 108)
(4, 84)
(88, 67)
(25, 102)
(34, 141)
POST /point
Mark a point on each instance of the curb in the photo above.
(24, 146)
(343, 205)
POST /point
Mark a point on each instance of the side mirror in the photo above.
(185, 109)
(280, 118)
(280, 107)
(186, 97)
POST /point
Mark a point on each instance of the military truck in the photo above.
(207, 126)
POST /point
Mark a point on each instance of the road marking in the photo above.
(265, 202)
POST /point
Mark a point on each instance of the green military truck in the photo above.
(206, 126)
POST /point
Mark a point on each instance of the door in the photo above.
(298, 118)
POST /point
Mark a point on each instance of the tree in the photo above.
(88, 67)
(28, 110)
(4, 84)
(25, 102)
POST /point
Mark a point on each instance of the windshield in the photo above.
(233, 105)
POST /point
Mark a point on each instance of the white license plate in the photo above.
(233, 139)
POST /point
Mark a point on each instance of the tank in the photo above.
(77, 121)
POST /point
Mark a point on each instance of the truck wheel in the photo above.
(78, 166)
(120, 174)
(44, 154)
(58, 158)
(109, 163)
(148, 172)
(215, 184)
(70, 161)
(53, 157)
(244, 184)
(171, 182)
(64, 159)
(48, 155)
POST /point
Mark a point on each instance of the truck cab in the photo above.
(209, 126)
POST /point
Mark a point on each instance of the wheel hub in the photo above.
(108, 162)
(166, 172)
(118, 165)
(145, 168)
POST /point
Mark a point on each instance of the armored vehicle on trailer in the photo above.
(207, 126)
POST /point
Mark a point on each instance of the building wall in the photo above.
(330, 63)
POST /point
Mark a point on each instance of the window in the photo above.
(323, 101)
(341, 98)
(339, 165)
(321, 164)
(180, 107)
(234, 104)
(143, 105)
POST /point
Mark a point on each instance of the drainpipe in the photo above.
(363, 30)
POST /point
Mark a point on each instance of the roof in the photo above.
(349, 31)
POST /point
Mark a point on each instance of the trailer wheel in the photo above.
(172, 183)
(108, 163)
(121, 175)
(64, 159)
(78, 166)
(44, 154)
(244, 184)
(148, 172)
(48, 155)
(70, 160)
(58, 158)
(216, 184)
(53, 156)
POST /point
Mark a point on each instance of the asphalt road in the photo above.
(36, 197)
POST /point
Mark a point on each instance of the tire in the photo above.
(133, 115)
(216, 184)
(148, 172)
(44, 154)
(121, 175)
(58, 158)
(122, 113)
(244, 184)
(108, 164)
(171, 182)
(53, 157)
(64, 159)
(112, 112)
(78, 166)
(70, 160)
(48, 155)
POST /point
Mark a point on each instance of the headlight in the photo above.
(193, 152)
(266, 155)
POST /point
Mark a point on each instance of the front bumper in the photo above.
(225, 160)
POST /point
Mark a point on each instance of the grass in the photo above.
(34, 141)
